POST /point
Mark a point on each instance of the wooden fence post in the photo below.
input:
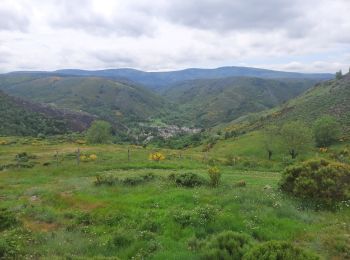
(78, 156)
(128, 154)
(57, 158)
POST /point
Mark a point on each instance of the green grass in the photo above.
(63, 214)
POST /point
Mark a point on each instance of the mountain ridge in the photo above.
(164, 79)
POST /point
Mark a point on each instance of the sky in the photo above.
(158, 35)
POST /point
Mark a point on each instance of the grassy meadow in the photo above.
(62, 214)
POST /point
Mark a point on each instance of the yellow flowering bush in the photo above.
(214, 175)
(88, 158)
(83, 158)
(79, 141)
(93, 157)
(157, 156)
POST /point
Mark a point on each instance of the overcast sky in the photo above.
(292, 35)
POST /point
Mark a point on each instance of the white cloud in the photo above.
(160, 35)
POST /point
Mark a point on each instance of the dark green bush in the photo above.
(110, 179)
(7, 219)
(106, 179)
(183, 218)
(276, 250)
(135, 180)
(200, 215)
(121, 239)
(8, 249)
(85, 218)
(319, 180)
(187, 179)
(226, 245)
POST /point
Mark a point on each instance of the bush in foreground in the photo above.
(319, 180)
(227, 245)
(275, 250)
(7, 219)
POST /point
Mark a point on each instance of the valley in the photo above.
(99, 168)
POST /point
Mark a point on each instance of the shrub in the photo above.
(7, 219)
(274, 250)
(110, 179)
(121, 239)
(214, 175)
(187, 179)
(241, 183)
(85, 219)
(226, 245)
(106, 179)
(319, 180)
(93, 157)
(8, 249)
(156, 157)
(184, 218)
(195, 217)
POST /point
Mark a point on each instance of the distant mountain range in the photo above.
(126, 97)
(164, 80)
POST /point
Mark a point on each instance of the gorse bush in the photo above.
(187, 179)
(157, 156)
(214, 175)
(276, 250)
(319, 180)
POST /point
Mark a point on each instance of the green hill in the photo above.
(331, 97)
(114, 101)
(19, 117)
(213, 101)
(327, 98)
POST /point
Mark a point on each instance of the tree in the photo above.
(270, 140)
(100, 132)
(339, 74)
(326, 131)
(297, 137)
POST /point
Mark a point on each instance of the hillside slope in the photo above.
(214, 101)
(331, 97)
(327, 98)
(113, 101)
(20, 117)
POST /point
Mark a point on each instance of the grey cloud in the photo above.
(81, 15)
(12, 20)
(236, 15)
